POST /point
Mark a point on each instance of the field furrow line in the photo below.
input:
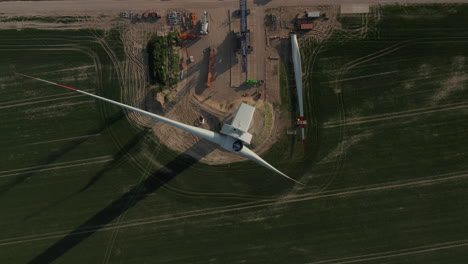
(403, 114)
(110, 246)
(362, 77)
(64, 139)
(396, 253)
(42, 101)
(35, 98)
(240, 207)
(54, 166)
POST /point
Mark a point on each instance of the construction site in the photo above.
(215, 58)
(226, 57)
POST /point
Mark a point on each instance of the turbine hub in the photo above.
(237, 145)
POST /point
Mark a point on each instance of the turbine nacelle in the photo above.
(231, 144)
(240, 124)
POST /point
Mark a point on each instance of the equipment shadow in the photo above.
(128, 200)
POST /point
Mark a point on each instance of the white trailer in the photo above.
(204, 24)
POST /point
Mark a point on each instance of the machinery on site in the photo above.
(188, 36)
(243, 37)
(193, 19)
(254, 82)
(182, 64)
(200, 121)
(174, 18)
(146, 15)
(204, 24)
(190, 57)
(244, 34)
(210, 67)
(232, 137)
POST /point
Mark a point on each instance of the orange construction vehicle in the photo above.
(194, 20)
(210, 68)
(188, 36)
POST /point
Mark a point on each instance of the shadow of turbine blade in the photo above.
(128, 200)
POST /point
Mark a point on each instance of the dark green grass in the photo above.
(385, 76)
(38, 137)
(400, 149)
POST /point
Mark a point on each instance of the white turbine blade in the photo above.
(246, 152)
(203, 133)
(296, 56)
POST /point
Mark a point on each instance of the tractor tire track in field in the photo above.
(310, 101)
(42, 101)
(45, 163)
(110, 246)
(121, 77)
(348, 66)
(396, 253)
(124, 78)
(363, 76)
(55, 166)
(340, 156)
(340, 153)
(99, 39)
(63, 139)
(130, 87)
(424, 181)
(32, 100)
(136, 75)
(395, 115)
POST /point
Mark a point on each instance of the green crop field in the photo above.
(386, 169)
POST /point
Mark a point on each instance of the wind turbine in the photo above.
(231, 137)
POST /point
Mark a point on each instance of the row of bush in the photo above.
(164, 59)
